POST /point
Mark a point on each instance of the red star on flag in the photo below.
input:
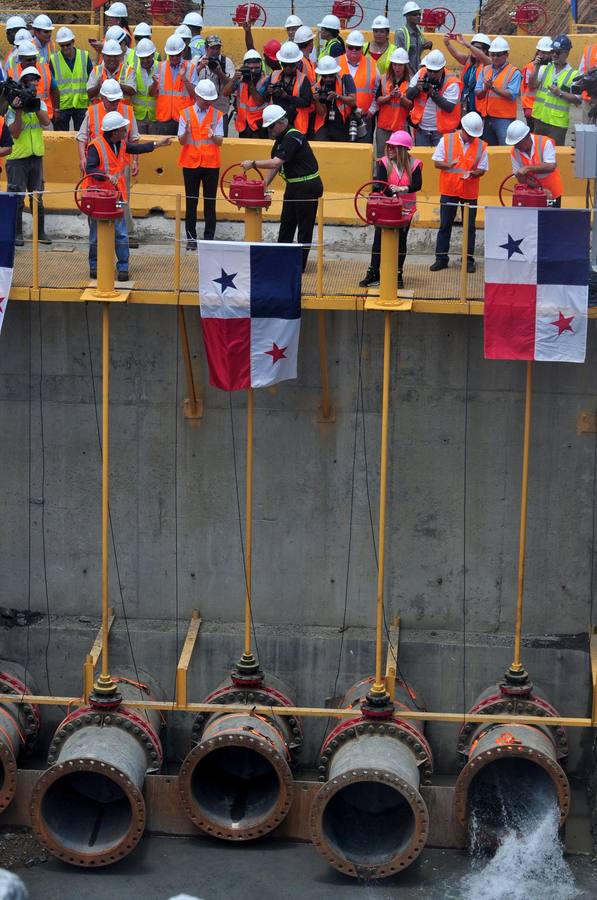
(277, 353)
(563, 323)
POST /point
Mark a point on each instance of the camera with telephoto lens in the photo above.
(357, 129)
(9, 90)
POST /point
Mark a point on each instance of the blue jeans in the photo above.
(494, 131)
(121, 240)
(427, 138)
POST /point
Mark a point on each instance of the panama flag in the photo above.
(250, 311)
(8, 228)
(536, 283)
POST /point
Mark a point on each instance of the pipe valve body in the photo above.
(19, 726)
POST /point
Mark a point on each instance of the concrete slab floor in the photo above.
(161, 867)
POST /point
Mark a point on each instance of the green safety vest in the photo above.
(383, 63)
(30, 142)
(547, 107)
(71, 84)
(197, 45)
(326, 49)
(143, 104)
(301, 178)
(131, 58)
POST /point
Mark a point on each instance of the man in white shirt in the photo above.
(220, 70)
(436, 100)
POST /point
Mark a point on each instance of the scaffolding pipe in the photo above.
(369, 819)
(88, 808)
(236, 783)
(19, 726)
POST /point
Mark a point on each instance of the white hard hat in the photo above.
(380, 22)
(142, 30)
(332, 22)
(517, 130)
(410, 7)
(289, 53)
(64, 35)
(117, 11)
(303, 35)
(481, 38)
(251, 54)
(111, 89)
(115, 33)
(545, 43)
(434, 61)
(293, 22)
(30, 70)
(174, 45)
(27, 48)
(206, 89)
(22, 35)
(399, 55)
(15, 22)
(472, 124)
(273, 113)
(114, 120)
(44, 23)
(184, 32)
(193, 18)
(111, 48)
(145, 48)
(355, 39)
(327, 65)
(499, 45)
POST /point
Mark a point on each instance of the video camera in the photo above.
(587, 83)
(9, 90)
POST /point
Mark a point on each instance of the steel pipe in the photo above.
(88, 807)
(512, 772)
(236, 782)
(19, 726)
(369, 819)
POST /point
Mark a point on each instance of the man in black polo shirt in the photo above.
(294, 159)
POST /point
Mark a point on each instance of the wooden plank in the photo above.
(392, 656)
(185, 658)
(96, 648)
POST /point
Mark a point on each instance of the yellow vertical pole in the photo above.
(388, 268)
(320, 222)
(105, 258)
(516, 669)
(35, 248)
(248, 661)
(177, 247)
(253, 224)
(466, 212)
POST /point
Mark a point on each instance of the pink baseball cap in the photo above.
(400, 139)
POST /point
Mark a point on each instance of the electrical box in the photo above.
(585, 156)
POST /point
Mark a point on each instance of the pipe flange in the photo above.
(400, 860)
(8, 785)
(29, 714)
(122, 718)
(122, 848)
(396, 728)
(211, 825)
(264, 696)
(498, 705)
(472, 768)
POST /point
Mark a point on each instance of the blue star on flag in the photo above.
(225, 280)
(513, 246)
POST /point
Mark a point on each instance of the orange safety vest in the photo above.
(307, 67)
(43, 86)
(110, 163)
(343, 108)
(492, 104)
(364, 79)
(172, 96)
(248, 112)
(551, 181)
(392, 115)
(527, 96)
(301, 120)
(463, 159)
(446, 121)
(589, 58)
(102, 74)
(96, 113)
(200, 150)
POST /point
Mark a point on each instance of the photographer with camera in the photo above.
(527, 94)
(289, 88)
(436, 101)
(497, 90)
(47, 89)
(220, 70)
(335, 99)
(26, 118)
(554, 98)
(249, 102)
(588, 64)
(366, 78)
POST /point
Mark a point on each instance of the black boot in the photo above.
(371, 279)
(19, 242)
(42, 237)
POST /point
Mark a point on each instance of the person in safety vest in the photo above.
(588, 61)
(13, 25)
(366, 78)
(195, 22)
(534, 160)
(25, 164)
(289, 88)
(553, 99)
(142, 77)
(249, 103)
(497, 90)
(304, 40)
(142, 32)
(13, 57)
(184, 32)
(393, 103)
(293, 158)
(200, 133)
(335, 99)
(108, 154)
(472, 63)
(291, 24)
(111, 66)
(461, 157)
(218, 69)
(47, 89)
(175, 79)
(330, 42)
(527, 94)
(270, 49)
(42, 28)
(6, 141)
(117, 14)
(380, 49)
(404, 177)
(71, 68)
(436, 100)
(410, 36)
